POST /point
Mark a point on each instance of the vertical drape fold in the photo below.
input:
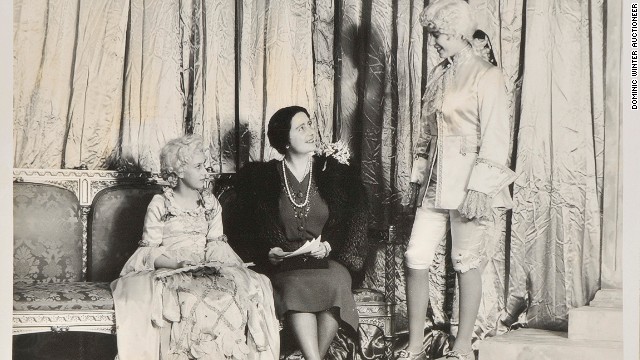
(44, 37)
(555, 243)
(95, 108)
(155, 96)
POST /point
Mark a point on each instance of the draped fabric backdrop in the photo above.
(106, 83)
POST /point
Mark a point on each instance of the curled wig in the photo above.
(176, 154)
(450, 17)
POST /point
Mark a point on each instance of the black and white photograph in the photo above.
(320, 179)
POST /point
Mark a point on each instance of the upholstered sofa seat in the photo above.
(79, 295)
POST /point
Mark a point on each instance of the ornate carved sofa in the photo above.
(74, 230)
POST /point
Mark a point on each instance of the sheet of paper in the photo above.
(306, 247)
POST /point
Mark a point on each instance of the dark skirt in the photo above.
(315, 290)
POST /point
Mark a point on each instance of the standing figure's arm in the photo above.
(490, 173)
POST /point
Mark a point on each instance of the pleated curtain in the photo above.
(105, 83)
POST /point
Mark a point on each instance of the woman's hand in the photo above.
(321, 251)
(184, 263)
(163, 261)
(276, 255)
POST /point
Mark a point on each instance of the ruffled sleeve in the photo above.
(490, 173)
(151, 244)
(218, 249)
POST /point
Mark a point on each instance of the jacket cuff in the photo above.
(489, 177)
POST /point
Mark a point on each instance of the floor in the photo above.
(65, 346)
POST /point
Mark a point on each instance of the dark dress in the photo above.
(328, 283)
(254, 225)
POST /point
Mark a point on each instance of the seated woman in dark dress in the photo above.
(284, 203)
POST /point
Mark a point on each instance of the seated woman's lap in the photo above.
(315, 290)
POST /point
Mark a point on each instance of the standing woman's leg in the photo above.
(468, 254)
(327, 329)
(305, 328)
(470, 293)
(429, 228)
(417, 304)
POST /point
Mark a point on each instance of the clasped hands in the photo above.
(322, 250)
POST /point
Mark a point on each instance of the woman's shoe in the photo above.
(408, 355)
(455, 354)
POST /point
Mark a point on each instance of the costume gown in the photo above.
(221, 311)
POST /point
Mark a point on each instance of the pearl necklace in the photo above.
(286, 184)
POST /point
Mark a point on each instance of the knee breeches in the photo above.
(468, 238)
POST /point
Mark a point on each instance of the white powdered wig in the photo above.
(451, 17)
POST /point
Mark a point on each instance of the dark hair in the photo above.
(280, 126)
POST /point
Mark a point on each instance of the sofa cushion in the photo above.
(62, 296)
(47, 234)
(115, 226)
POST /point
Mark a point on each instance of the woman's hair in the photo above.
(175, 154)
(280, 126)
(482, 46)
(451, 17)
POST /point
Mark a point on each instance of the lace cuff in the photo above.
(146, 243)
(476, 205)
(222, 238)
(143, 259)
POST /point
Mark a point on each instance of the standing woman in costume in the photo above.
(284, 203)
(459, 172)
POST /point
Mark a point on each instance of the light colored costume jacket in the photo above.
(464, 133)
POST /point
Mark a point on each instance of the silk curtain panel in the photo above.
(106, 83)
(556, 225)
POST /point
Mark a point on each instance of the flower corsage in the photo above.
(339, 150)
